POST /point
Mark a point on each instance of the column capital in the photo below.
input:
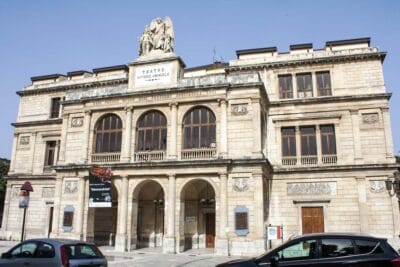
(222, 101)
(223, 174)
(128, 108)
(171, 175)
(353, 111)
(173, 104)
(88, 112)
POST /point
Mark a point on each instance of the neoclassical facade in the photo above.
(208, 157)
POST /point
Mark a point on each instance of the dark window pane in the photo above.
(336, 247)
(148, 140)
(367, 246)
(163, 139)
(106, 142)
(187, 138)
(45, 250)
(112, 142)
(324, 83)
(241, 221)
(187, 119)
(212, 134)
(299, 251)
(195, 136)
(204, 115)
(285, 86)
(157, 119)
(328, 140)
(196, 113)
(204, 137)
(141, 140)
(113, 122)
(55, 107)
(211, 117)
(156, 140)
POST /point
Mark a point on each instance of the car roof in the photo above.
(336, 234)
(60, 241)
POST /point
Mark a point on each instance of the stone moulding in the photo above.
(313, 188)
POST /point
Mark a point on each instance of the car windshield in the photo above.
(83, 251)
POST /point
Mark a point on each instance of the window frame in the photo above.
(287, 138)
(329, 136)
(210, 126)
(323, 91)
(308, 136)
(55, 107)
(287, 79)
(106, 132)
(50, 153)
(155, 130)
(302, 81)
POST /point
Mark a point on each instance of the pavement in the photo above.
(149, 257)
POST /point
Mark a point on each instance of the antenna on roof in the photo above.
(215, 56)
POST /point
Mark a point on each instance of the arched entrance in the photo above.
(148, 224)
(105, 222)
(198, 197)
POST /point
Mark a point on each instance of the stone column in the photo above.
(222, 239)
(388, 132)
(319, 143)
(169, 240)
(86, 136)
(81, 206)
(362, 203)
(256, 128)
(356, 136)
(13, 152)
(298, 145)
(259, 212)
(223, 150)
(63, 138)
(121, 238)
(33, 141)
(57, 152)
(57, 207)
(314, 84)
(172, 138)
(126, 147)
(6, 209)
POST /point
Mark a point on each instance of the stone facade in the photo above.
(181, 198)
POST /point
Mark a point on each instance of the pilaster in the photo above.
(362, 204)
(356, 135)
(121, 238)
(388, 133)
(169, 239)
(256, 128)
(223, 151)
(126, 146)
(63, 138)
(222, 239)
(33, 147)
(86, 136)
(172, 139)
(13, 153)
(81, 206)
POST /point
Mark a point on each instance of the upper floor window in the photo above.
(308, 141)
(328, 140)
(108, 134)
(304, 85)
(55, 107)
(50, 153)
(199, 129)
(285, 86)
(324, 83)
(152, 131)
(288, 142)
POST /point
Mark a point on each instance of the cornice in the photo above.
(335, 168)
(37, 123)
(71, 86)
(308, 61)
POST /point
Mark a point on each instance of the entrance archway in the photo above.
(105, 222)
(148, 224)
(198, 198)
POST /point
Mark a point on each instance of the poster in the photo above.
(100, 187)
(23, 199)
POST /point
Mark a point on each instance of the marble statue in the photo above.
(158, 36)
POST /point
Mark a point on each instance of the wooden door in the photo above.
(312, 219)
(210, 230)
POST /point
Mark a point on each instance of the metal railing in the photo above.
(329, 159)
(289, 161)
(201, 153)
(149, 156)
(309, 160)
(106, 157)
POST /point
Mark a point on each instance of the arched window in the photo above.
(152, 132)
(108, 134)
(199, 129)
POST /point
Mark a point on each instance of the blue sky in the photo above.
(44, 37)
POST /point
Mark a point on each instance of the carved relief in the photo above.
(71, 187)
(240, 184)
(370, 118)
(377, 186)
(159, 35)
(24, 140)
(48, 192)
(318, 188)
(77, 122)
(239, 109)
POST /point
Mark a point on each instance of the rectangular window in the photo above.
(288, 142)
(304, 85)
(328, 142)
(50, 153)
(285, 86)
(308, 141)
(241, 220)
(55, 107)
(324, 83)
(68, 218)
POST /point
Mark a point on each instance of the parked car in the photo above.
(327, 250)
(53, 252)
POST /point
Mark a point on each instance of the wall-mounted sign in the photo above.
(100, 187)
(23, 199)
(274, 232)
(146, 75)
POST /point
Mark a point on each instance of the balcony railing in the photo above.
(329, 159)
(309, 160)
(289, 161)
(201, 153)
(106, 157)
(149, 156)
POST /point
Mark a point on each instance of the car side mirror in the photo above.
(6, 255)
(274, 261)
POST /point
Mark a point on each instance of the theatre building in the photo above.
(209, 156)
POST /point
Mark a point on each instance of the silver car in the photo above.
(53, 252)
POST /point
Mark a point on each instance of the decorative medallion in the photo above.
(71, 187)
(77, 122)
(239, 109)
(24, 140)
(377, 186)
(48, 192)
(317, 188)
(240, 184)
(370, 118)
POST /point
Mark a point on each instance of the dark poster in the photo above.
(100, 187)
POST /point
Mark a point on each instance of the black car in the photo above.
(327, 250)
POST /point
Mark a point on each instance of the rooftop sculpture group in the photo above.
(159, 35)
